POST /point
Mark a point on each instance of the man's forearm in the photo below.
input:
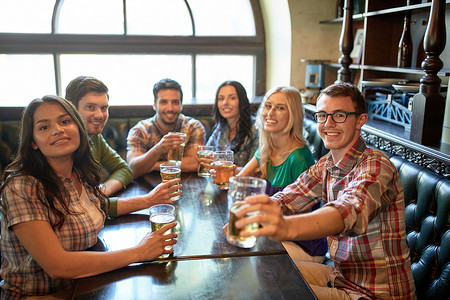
(129, 204)
(323, 222)
(143, 164)
(112, 186)
(189, 164)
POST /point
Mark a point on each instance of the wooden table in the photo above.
(204, 264)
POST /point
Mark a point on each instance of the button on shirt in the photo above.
(21, 273)
(146, 134)
(371, 255)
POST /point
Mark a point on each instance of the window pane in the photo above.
(156, 17)
(223, 17)
(212, 70)
(36, 18)
(24, 78)
(130, 78)
(91, 17)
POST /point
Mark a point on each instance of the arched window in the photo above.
(129, 44)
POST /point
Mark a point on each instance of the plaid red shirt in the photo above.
(371, 255)
(21, 273)
(146, 134)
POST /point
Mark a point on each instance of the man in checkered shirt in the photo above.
(363, 211)
(149, 141)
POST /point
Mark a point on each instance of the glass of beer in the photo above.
(241, 187)
(202, 152)
(160, 215)
(169, 171)
(224, 167)
(176, 154)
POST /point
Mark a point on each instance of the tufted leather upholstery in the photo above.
(427, 217)
(313, 139)
(9, 134)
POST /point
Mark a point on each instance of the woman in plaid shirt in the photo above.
(363, 214)
(52, 208)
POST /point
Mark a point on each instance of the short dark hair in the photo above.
(82, 85)
(347, 90)
(167, 84)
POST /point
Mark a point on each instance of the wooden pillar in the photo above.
(346, 43)
(429, 105)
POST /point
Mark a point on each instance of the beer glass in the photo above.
(160, 215)
(241, 187)
(202, 152)
(169, 171)
(224, 167)
(177, 153)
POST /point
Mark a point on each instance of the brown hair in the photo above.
(347, 90)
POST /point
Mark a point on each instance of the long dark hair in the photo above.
(29, 162)
(244, 129)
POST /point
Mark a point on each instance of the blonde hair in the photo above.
(294, 126)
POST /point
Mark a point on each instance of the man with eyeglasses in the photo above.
(363, 211)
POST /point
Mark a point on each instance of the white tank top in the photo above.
(92, 210)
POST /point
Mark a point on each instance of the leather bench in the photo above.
(9, 135)
(313, 139)
(427, 218)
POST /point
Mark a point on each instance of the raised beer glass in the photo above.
(224, 167)
(160, 215)
(169, 171)
(241, 187)
(176, 154)
(202, 152)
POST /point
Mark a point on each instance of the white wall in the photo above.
(277, 25)
(293, 32)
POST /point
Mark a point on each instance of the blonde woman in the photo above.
(283, 155)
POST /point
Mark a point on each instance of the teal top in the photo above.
(287, 172)
(113, 164)
(278, 177)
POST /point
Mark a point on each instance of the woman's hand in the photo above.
(269, 216)
(205, 162)
(153, 244)
(212, 171)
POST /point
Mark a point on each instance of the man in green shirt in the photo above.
(90, 96)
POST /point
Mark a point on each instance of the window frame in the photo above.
(57, 44)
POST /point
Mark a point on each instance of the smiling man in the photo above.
(150, 140)
(363, 211)
(90, 97)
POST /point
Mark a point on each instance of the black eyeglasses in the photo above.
(337, 116)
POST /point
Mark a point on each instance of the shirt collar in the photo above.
(350, 159)
(177, 126)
